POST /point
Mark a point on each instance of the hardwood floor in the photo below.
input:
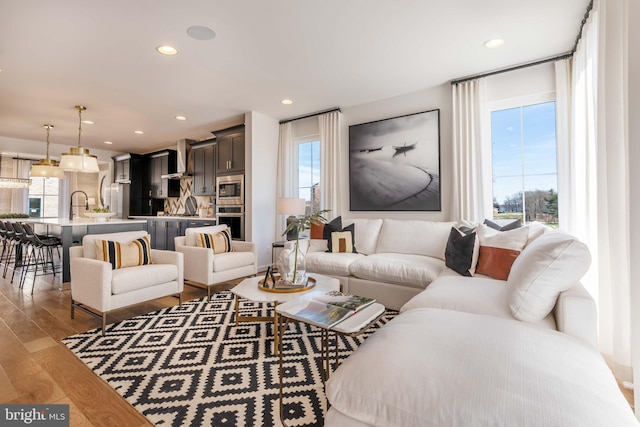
(35, 367)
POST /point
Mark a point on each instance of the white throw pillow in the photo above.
(366, 233)
(551, 264)
(414, 237)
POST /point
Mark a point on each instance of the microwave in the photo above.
(230, 190)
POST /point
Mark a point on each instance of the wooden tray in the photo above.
(311, 283)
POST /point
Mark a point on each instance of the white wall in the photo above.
(261, 145)
(435, 98)
(528, 81)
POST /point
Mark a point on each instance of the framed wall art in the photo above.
(394, 164)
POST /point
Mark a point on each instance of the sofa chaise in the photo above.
(470, 350)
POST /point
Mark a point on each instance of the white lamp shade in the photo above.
(290, 206)
(45, 171)
(79, 163)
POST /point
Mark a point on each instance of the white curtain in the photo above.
(472, 189)
(66, 186)
(285, 181)
(329, 125)
(594, 172)
(20, 196)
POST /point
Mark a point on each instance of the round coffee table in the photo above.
(250, 290)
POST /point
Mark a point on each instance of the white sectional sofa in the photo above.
(470, 351)
(395, 259)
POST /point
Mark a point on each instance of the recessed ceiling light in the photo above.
(200, 32)
(138, 132)
(108, 142)
(493, 43)
(88, 122)
(167, 50)
(287, 101)
(181, 118)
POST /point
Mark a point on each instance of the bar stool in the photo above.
(14, 254)
(40, 255)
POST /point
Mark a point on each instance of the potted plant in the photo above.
(300, 224)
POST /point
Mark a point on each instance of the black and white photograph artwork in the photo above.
(394, 164)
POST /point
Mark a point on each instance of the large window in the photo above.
(523, 150)
(309, 174)
(43, 197)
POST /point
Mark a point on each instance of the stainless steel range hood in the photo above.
(184, 167)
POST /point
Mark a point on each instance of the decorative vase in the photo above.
(299, 270)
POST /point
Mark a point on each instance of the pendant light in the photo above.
(78, 159)
(8, 182)
(46, 168)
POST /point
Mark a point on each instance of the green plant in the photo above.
(101, 210)
(13, 215)
(300, 224)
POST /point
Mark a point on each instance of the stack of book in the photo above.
(332, 308)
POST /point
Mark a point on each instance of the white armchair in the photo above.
(98, 289)
(203, 267)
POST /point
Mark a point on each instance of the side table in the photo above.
(250, 290)
(354, 325)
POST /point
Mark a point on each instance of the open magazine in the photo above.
(332, 308)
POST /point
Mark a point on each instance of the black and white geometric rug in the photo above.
(191, 366)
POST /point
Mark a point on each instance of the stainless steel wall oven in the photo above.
(233, 217)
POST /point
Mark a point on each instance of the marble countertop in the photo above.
(76, 222)
(175, 217)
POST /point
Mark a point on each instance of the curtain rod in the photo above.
(531, 64)
(514, 68)
(306, 116)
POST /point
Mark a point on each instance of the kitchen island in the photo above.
(71, 232)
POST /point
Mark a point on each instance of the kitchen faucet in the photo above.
(71, 205)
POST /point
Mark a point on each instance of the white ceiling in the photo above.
(320, 54)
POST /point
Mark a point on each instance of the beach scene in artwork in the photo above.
(394, 164)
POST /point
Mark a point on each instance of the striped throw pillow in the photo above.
(219, 242)
(121, 255)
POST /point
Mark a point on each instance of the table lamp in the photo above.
(291, 207)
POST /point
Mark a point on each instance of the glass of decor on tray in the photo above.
(291, 265)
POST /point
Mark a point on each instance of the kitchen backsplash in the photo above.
(176, 205)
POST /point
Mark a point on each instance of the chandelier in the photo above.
(8, 182)
(78, 159)
(46, 168)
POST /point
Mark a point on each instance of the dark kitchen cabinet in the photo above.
(121, 170)
(131, 171)
(230, 150)
(204, 164)
(163, 231)
(163, 163)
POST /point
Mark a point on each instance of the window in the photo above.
(309, 174)
(43, 197)
(523, 152)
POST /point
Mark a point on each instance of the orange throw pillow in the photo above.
(316, 230)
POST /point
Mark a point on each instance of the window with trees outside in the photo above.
(309, 174)
(523, 151)
(43, 197)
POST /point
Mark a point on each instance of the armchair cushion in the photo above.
(229, 260)
(140, 277)
(121, 255)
